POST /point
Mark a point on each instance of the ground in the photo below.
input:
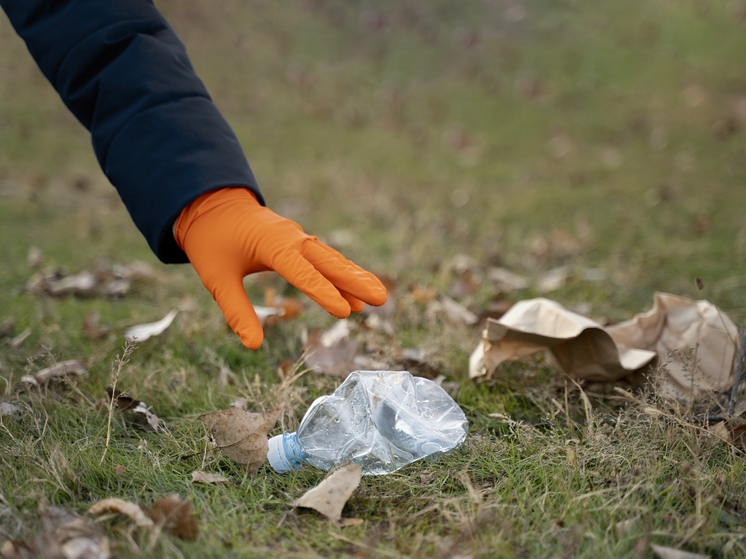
(604, 137)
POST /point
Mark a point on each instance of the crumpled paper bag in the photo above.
(583, 349)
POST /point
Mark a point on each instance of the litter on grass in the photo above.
(693, 341)
(143, 332)
(71, 367)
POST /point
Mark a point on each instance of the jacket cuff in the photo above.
(169, 155)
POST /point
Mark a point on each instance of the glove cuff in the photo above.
(204, 204)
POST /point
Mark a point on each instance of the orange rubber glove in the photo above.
(227, 235)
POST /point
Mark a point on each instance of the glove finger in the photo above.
(298, 271)
(346, 275)
(231, 297)
(356, 305)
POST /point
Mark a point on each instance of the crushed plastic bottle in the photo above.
(382, 420)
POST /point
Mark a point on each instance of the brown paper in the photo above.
(671, 333)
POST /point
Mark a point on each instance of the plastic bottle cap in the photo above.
(276, 455)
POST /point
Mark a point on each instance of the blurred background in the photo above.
(604, 136)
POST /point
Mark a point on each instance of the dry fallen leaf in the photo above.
(136, 270)
(242, 435)
(740, 408)
(121, 401)
(505, 281)
(63, 369)
(552, 280)
(284, 308)
(142, 332)
(107, 281)
(173, 515)
(332, 351)
(455, 312)
(83, 283)
(66, 535)
(467, 283)
(137, 411)
(737, 435)
(118, 506)
(495, 310)
(721, 431)
(671, 553)
(206, 477)
(329, 496)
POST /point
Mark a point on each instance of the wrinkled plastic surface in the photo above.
(382, 420)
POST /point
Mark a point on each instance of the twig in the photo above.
(738, 373)
(129, 347)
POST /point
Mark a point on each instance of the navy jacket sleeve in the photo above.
(120, 68)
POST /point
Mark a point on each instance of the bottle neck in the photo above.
(293, 451)
(285, 453)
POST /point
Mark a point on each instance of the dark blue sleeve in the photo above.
(120, 68)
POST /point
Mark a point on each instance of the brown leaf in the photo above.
(83, 284)
(122, 401)
(138, 412)
(552, 280)
(671, 553)
(66, 535)
(418, 362)
(174, 516)
(740, 408)
(288, 307)
(423, 295)
(206, 477)
(454, 312)
(465, 284)
(114, 281)
(118, 506)
(721, 431)
(329, 496)
(495, 310)
(505, 281)
(63, 369)
(737, 435)
(332, 351)
(242, 435)
(136, 270)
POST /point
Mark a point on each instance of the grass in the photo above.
(595, 135)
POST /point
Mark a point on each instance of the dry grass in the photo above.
(605, 136)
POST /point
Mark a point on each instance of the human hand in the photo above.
(227, 235)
